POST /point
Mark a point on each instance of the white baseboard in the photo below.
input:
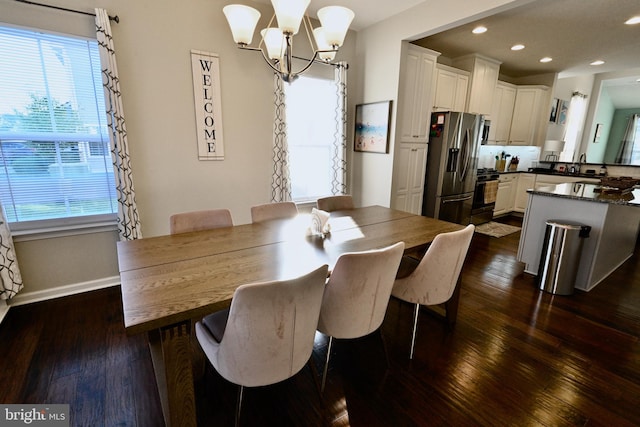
(62, 291)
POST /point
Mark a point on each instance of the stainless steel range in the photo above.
(484, 196)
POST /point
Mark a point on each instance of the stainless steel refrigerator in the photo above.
(452, 160)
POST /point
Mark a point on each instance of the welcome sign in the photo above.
(208, 108)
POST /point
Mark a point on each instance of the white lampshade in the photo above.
(242, 21)
(289, 14)
(321, 42)
(335, 20)
(553, 146)
(274, 41)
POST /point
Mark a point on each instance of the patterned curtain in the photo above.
(128, 220)
(339, 164)
(10, 277)
(280, 180)
(625, 153)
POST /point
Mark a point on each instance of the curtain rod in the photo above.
(116, 19)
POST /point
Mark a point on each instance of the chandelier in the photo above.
(278, 41)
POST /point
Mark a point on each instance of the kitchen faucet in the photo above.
(581, 160)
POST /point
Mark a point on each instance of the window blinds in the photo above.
(54, 144)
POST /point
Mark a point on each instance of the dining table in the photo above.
(168, 281)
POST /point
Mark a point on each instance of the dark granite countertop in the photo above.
(588, 192)
(541, 171)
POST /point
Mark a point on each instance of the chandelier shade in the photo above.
(289, 14)
(335, 20)
(326, 52)
(276, 44)
(242, 21)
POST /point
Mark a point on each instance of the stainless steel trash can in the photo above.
(560, 256)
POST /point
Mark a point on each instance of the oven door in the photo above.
(484, 201)
(456, 208)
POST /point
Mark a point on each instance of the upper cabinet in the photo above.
(528, 125)
(451, 89)
(418, 79)
(484, 77)
(504, 99)
(518, 116)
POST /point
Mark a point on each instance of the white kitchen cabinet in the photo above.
(526, 181)
(506, 194)
(451, 89)
(409, 169)
(482, 84)
(504, 99)
(418, 82)
(530, 116)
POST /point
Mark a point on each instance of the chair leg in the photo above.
(451, 306)
(384, 347)
(326, 364)
(239, 405)
(315, 375)
(416, 310)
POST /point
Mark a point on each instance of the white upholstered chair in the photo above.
(270, 211)
(267, 334)
(199, 220)
(335, 203)
(357, 294)
(434, 280)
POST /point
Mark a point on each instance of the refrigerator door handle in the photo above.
(465, 157)
(461, 199)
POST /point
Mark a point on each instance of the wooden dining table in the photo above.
(167, 281)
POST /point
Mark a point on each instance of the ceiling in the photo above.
(366, 15)
(573, 32)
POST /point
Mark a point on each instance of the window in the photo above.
(575, 123)
(635, 139)
(311, 108)
(55, 161)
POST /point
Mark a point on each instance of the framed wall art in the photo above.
(596, 135)
(372, 127)
(554, 110)
(563, 110)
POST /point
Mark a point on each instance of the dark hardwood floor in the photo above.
(515, 357)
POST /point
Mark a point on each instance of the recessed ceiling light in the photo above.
(479, 30)
(546, 59)
(598, 62)
(632, 21)
(517, 47)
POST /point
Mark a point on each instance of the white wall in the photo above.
(153, 42)
(563, 89)
(379, 55)
(600, 110)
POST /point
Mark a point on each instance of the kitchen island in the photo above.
(614, 219)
